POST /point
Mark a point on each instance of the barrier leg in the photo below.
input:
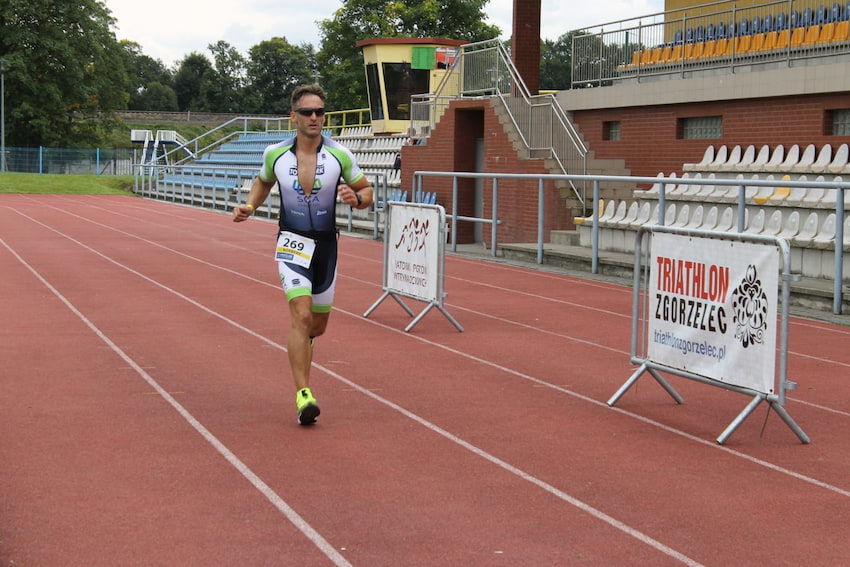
(789, 421)
(740, 419)
(450, 318)
(666, 385)
(628, 384)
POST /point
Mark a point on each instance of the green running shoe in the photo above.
(308, 411)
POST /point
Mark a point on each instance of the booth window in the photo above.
(373, 83)
(402, 82)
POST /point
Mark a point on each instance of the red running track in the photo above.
(147, 415)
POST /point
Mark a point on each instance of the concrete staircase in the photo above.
(595, 166)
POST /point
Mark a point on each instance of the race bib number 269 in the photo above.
(295, 249)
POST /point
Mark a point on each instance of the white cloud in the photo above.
(169, 30)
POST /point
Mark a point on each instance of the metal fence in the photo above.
(720, 36)
(97, 161)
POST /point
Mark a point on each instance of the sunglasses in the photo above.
(310, 111)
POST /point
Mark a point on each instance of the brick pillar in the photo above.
(525, 42)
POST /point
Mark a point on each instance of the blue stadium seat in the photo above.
(689, 35)
(781, 22)
(767, 24)
(720, 33)
(820, 15)
(743, 27)
(699, 35)
(755, 25)
(806, 20)
(835, 13)
(795, 19)
(677, 38)
(709, 32)
(847, 11)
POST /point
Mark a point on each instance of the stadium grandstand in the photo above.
(742, 90)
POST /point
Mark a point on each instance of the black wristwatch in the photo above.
(359, 199)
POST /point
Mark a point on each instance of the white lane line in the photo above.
(512, 371)
(291, 514)
(278, 502)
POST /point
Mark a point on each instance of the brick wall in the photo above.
(451, 147)
(648, 137)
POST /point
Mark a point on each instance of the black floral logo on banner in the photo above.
(749, 309)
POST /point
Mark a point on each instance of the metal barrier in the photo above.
(757, 379)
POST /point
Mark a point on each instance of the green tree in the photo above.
(556, 60)
(188, 79)
(222, 86)
(275, 68)
(65, 73)
(342, 63)
(157, 96)
(142, 71)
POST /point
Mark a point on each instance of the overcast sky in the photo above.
(169, 29)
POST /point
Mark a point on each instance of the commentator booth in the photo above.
(398, 68)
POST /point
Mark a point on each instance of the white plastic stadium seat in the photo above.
(839, 161)
(791, 226)
(707, 158)
(682, 217)
(727, 220)
(821, 164)
(747, 159)
(773, 224)
(696, 217)
(813, 196)
(720, 158)
(791, 159)
(710, 220)
(776, 159)
(808, 230)
(826, 234)
(756, 222)
(643, 215)
(631, 215)
(734, 159)
(806, 160)
(761, 159)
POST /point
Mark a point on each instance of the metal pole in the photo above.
(839, 251)
(540, 221)
(594, 230)
(2, 114)
(495, 216)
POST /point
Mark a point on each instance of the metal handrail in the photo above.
(499, 78)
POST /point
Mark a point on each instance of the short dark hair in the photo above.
(302, 90)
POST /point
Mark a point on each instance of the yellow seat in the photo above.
(827, 32)
(798, 36)
(783, 39)
(710, 46)
(696, 52)
(676, 55)
(742, 44)
(655, 55)
(665, 56)
(757, 42)
(646, 57)
(842, 31)
(722, 48)
(770, 41)
(688, 49)
(780, 193)
(812, 33)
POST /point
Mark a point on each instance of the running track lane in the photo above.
(397, 488)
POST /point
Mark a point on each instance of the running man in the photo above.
(312, 171)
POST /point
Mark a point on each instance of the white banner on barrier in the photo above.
(413, 257)
(713, 306)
